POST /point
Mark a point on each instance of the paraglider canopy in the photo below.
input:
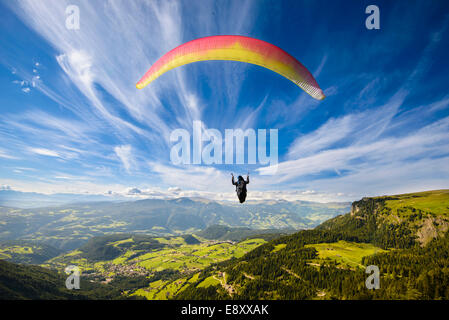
(236, 48)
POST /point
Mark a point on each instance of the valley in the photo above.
(404, 235)
(67, 227)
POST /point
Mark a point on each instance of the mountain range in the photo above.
(69, 226)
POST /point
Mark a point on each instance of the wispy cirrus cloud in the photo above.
(377, 158)
(5, 155)
(354, 128)
(124, 153)
(44, 152)
(105, 76)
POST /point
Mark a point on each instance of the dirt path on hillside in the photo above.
(292, 273)
(320, 293)
(248, 276)
(230, 289)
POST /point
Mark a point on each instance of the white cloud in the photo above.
(134, 191)
(411, 162)
(5, 155)
(78, 64)
(28, 79)
(192, 177)
(44, 152)
(125, 155)
(354, 128)
(309, 192)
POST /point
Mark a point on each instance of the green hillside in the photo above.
(221, 232)
(26, 251)
(329, 261)
(347, 254)
(139, 266)
(106, 258)
(25, 282)
(210, 255)
(436, 201)
(121, 266)
(396, 221)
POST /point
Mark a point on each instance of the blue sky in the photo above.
(71, 119)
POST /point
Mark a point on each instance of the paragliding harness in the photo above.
(240, 188)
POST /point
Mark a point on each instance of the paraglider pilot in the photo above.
(240, 187)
